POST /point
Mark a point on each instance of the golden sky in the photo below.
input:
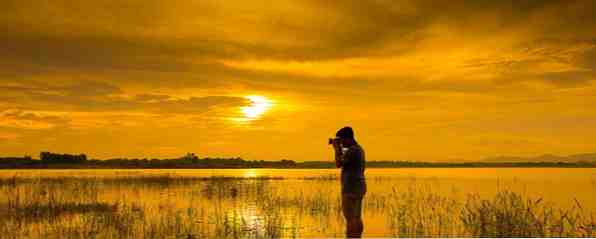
(417, 80)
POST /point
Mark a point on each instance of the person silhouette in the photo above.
(349, 156)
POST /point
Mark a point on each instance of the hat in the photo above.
(345, 133)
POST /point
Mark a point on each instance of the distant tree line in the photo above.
(53, 158)
(190, 160)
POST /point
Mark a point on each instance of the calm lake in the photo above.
(277, 202)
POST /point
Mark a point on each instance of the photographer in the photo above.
(349, 156)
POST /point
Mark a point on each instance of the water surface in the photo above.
(305, 202)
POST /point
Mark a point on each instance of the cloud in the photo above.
(46, 53)
(8, 136)
(151, 97)
(162, 36)
(171, 46)
(100, 96)
(196, 104)
(15, 118)
(113, 68)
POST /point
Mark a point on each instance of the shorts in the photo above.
(351, 205)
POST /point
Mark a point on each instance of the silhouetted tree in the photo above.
(191, 157)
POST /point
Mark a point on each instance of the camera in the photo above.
(332, 140)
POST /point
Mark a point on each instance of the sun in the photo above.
(258, 106)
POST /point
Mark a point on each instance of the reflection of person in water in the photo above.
(349, 156)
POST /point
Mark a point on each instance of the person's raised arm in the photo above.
(338, 154)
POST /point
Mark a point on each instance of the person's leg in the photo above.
(348, 211)
(354, 231)
(359, 225)
(351, 208)
(345, 206)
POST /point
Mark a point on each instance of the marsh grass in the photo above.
(171, 206)
(509, 214)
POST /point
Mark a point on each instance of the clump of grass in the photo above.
(509, 214)
(416, 212)
(36, 211)
(419, 212)
(40, 200)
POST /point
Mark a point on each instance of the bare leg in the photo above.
(351, 206)
(360, 227)
(355, 228)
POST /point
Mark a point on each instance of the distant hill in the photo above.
(550, 158)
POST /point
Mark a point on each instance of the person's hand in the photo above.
(336, 146)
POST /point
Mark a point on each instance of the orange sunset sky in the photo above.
(417, 80)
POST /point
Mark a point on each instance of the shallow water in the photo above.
(306, 201)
